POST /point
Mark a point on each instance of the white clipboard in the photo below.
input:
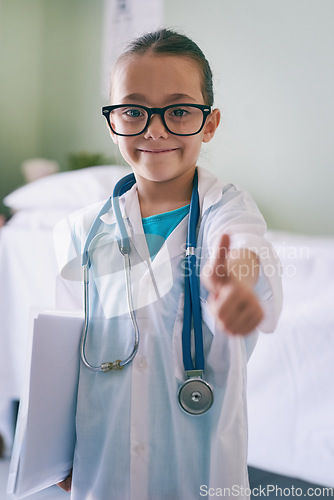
(45, 432)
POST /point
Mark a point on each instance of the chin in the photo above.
(157, 173)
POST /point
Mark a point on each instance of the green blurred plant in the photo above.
(84, 159)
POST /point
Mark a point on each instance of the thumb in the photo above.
(217, 272)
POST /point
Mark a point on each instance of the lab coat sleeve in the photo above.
(238, 215)
(67, 242)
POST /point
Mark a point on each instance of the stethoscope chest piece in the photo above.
(195, 396)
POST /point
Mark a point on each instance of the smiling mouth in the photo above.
(157, 151)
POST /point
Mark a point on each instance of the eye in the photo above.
(178, 112)
(134, 113)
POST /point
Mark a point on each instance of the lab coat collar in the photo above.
(126, 202)
(209, 190)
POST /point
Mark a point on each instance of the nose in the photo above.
(156, 128)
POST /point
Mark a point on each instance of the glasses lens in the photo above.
(128, 120)
(184, 119)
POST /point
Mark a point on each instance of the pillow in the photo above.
(73, 189)
(36, 219)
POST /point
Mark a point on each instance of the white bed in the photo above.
(291, 372)
(28, 267)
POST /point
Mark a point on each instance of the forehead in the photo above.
(156, 79)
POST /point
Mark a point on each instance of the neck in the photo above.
(156, 197)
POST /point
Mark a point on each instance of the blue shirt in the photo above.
(158, 227)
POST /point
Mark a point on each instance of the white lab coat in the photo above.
(133, 440)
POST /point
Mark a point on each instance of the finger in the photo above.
(215, 272)
(66, 484)
(225, 302)
(245, 321)
(219, 270)
(236, 308)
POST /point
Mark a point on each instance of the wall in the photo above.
(273, 68)
(20, 87)
(72, 79)
(50, 90)
(274, 72)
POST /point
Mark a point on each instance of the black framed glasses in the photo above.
(178, 119)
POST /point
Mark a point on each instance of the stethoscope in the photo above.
(195, 395)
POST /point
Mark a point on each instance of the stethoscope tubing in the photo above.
(192, 309)
(124, 245)
(117, 364)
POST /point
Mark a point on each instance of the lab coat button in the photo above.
(139, 449)
(148, 281)
(141, 363)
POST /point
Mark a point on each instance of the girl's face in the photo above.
(157, 81)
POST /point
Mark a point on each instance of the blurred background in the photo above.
(273, 66)
(273, 71)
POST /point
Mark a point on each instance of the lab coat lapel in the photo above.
(135, 226)
(130, 209)
(154, 278)
(176, 241)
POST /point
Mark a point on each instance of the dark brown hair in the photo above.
(168, 42)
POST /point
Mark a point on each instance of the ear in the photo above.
(211, 125)
(113, 136)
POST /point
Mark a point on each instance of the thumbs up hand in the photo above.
(230, 279)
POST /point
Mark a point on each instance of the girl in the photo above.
(136, 438)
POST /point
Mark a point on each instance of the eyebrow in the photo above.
(181, 96)
(134, 97)
(172, 97)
